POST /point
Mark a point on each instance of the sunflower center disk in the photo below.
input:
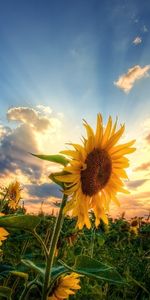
(97, 173)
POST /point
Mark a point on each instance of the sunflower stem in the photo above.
(53, 244)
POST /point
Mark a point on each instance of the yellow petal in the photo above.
(122, 152)
(121, 147)
(114, 127)
(72, 153)
(120, 172)
(89, 129)
(68, 178)
(114, 139)
(90, 144)
(80, 149)
(99, 131)
(115, 199)
(107, 132)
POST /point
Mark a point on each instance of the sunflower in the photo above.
(134, 226)
(95, 172)
(3, 235)
(66, 285)
(13, 194)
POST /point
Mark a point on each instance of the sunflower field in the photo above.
(82, 253)
(115, 245)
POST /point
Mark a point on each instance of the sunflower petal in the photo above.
(114, 139)
(121, 147)
(107, 132)
(99, 131)
(89, 129)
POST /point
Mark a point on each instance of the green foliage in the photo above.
(101, 253)
(5, 292)
(90, 267)
(24, 222)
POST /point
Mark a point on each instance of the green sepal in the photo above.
(54, 178)
(57, 158)
(90, 267)
(5, 292)
(25, 222)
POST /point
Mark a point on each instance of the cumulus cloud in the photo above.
(143, 167)
(42, 191)
(4, 131)
(29, 116)
(46, 109)
(46, 196)
(137, 40)
(126, 81)
(34, 132)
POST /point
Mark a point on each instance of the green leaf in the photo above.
(20, 274)
(93, 268)
(5, 269)
(100, 239)
(33, 266)
(58, 270)
(25, 222)
(5, 292)
(60, 159)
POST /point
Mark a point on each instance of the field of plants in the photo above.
(116, 245)
(84, 254)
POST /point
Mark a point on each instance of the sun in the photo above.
(95, 172)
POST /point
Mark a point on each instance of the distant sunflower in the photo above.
(95, 172)
(65, 286)
(3, 235)
(134, 226)
(13, 194)
(3, 232)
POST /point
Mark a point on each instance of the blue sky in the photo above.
(76, 58)
(67, 54)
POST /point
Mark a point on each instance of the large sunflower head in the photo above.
(13, 194)
(65, 286)
(95, 171)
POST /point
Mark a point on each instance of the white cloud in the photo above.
(45, 109)
(126, 81)
(35, 133)
(145, 29)
(137, 40)
(29, 116)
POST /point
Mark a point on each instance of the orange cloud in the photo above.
(143, 167)
(148, 138)
(126, 81)
(134, 184)
(137, 204)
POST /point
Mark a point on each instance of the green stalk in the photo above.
(37, 236)
(52, 248)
